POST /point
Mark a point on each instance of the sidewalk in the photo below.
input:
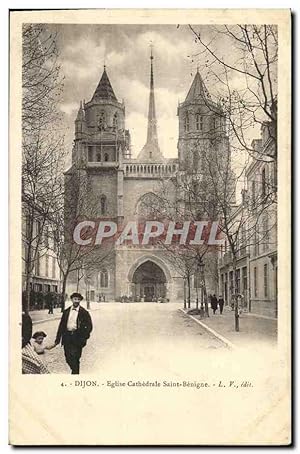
(253, 330)
(43, 316)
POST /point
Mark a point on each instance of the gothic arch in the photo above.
(145, 202)
(152, 258)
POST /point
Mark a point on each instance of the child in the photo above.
(38, 344)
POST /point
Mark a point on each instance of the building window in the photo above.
(253, 195)
(115, 122)
(256, 240)
(104, 279)
(255, 281)
(186, 122)
(263, 182)
(238, 280)
(199, 122)
(243, 242)
(27, 233)
(103, 205)
(245, 280)
(106, 157)
(101, 121)
(98, 154)
(37, 264)
(231, 282)
(90, 154)
(38, 287)
(266, 281)
(47, 266)
(53, 268)
(38, 229)
(46, 236)
(265, 233)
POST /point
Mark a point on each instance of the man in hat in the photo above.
(73, 331)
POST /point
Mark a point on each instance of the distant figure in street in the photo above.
(50, 307)
(74, 329)
(38, 343)
(214, 303)
(221, 304)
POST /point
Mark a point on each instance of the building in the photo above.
(262, 182)
(228, 286)
(45, 274)
(126, 186)
(256, 220)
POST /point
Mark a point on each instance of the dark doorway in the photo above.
(149, 282)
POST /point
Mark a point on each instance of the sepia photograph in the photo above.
(149, 205)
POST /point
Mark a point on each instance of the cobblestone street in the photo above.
(135, 337)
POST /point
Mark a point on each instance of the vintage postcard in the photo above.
(150, 190)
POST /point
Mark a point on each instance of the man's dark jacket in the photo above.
(84, 326)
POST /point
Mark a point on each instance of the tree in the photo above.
(238, 223)
(245, 81)
(42, 141)
(184, 197)
(76, 204)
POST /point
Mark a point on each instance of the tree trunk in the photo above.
(189, 291)
(63, 292)
(236, 305)
(27, 293)
(197, 296)
(87, 284)
(184, 294)
(28, 262)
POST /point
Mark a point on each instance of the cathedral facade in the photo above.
(121, 183)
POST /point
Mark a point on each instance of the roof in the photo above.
(104, 89)
(197, 89)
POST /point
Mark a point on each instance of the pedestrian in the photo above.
(214, 303)
(221, 304)
(73, 331)
(50, 306)
(31, 363)
(38, 343)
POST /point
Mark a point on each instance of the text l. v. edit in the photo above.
(164, 384)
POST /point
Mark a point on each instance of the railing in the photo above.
(150, 170)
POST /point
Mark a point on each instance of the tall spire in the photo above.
(151, 149)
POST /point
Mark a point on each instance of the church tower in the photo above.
(100, 134)
(201, 126)
(151, 151)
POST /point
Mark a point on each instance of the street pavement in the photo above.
(135, 337)
(253, 330)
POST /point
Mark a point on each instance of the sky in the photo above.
(125, 50)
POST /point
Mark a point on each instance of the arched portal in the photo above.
(148, 282)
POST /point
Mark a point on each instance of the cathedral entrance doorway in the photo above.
(148, 282)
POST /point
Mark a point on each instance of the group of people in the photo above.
(214, 303)
(73, 332)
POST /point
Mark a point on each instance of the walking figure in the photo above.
(214, 303)
(50, 307)
(74, 329)
(221, 304)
